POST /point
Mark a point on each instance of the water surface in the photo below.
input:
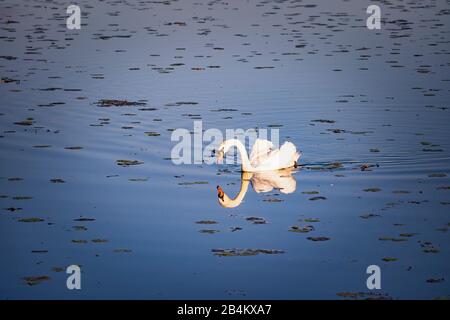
(373, 180)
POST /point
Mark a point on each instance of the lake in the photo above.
(87, 175)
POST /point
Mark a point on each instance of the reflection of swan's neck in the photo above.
(246, 166)
(227, 202)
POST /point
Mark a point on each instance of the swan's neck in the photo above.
(246, 166)
(227, 202)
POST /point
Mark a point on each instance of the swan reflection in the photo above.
(266, 181)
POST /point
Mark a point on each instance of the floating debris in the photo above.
(244, 252)
(57, 180)
(209, 231)
(364, 295)
(318, 238)
(323, 121)
(152, 134)
(192, 183)
(73, 148)
(99, 240)
(35, 280)
(256, 220)
(127, 163)
(118, 103)
(206, 222)
(301, 229)
(372, 190)
(310, 192)
(369, 215)
(310, 220)
(79, 241)
(393, 239)
(122, 251)
(84, 219)
(317, 198)
(31, 220)
(26, 122)
(389, 259)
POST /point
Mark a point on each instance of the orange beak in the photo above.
(220, 192)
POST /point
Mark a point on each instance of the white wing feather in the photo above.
(284, 157)
(260, 151)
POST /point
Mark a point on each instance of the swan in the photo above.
(263, 156)
(281, 180)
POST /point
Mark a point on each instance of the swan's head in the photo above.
(221, 195)
(226, 201)
(223, 148)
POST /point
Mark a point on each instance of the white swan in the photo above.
(263, 156)
(281, 180)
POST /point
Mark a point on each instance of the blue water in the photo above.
(387, 90)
